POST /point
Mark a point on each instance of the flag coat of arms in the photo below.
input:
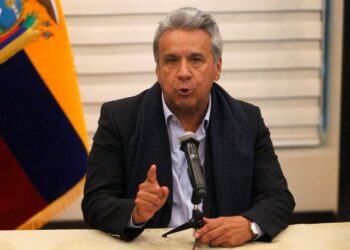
(43, 139)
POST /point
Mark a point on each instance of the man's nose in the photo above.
(184, 71)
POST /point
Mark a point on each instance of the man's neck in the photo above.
(191, 121)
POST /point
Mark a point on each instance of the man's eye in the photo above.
(196, 59)
(170, 60)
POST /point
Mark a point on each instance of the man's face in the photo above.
(186, 69)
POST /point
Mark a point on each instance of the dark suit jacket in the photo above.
(107, 207)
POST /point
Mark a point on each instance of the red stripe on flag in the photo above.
(4, 37)
(19, 199)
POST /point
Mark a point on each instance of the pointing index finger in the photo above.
(152, 174)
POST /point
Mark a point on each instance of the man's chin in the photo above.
(186, 107)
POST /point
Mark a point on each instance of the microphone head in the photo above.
(188, 135)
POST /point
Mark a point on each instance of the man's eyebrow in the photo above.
(194, 54)
(169, 54)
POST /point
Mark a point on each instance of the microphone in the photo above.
(189, 145)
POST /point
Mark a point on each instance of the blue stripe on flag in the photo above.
(37, 130)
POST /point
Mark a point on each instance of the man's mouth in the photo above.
(184, 91)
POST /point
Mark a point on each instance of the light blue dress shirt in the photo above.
(182, 190)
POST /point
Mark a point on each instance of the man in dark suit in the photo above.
(137, 174)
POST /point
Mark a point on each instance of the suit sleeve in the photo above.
(272, 202)
(104, 204)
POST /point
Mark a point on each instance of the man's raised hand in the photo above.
(150, 197)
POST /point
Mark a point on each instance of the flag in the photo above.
(43, 139)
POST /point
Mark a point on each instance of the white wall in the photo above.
(312, 171)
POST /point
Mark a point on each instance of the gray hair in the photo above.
(189, 18)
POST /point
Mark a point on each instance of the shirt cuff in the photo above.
(132, 225)
(260, 231)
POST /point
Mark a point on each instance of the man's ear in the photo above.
(218, 68)
(157, 72)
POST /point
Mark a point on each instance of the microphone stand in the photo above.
(195, 222)
(189, 145)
